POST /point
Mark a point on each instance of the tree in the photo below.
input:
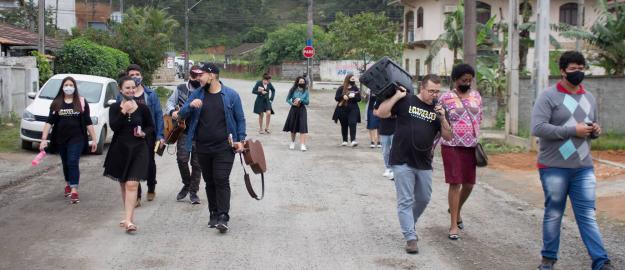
(452, 37)
(287, 42)
(145, 35)
(365, 36)
(26, 16)
(255, 35)
(607, 37)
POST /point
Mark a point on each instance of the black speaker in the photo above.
(384, 77)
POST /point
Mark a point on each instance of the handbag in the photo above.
(480, 155)
(254, 156)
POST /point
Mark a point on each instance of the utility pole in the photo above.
(580, 23)
(469, 47)
(512, 117)
(93, 10)
(42, 27)
(187, 9)
(121, 8)
(56, 15)
(309, 43)
(540, 76)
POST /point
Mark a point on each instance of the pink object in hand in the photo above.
(38, 158)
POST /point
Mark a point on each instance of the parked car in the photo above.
(99, 92)
(179, 60)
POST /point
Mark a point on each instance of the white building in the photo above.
(64, 14)
(424, 19)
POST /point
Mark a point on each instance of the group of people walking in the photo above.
(409, 127)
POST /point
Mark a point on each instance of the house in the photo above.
(64, 15)
(423, 23)
(241, 50)
(16, 41)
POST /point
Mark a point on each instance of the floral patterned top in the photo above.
(463, 118)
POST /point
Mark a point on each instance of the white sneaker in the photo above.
(391, 175)
(354, 143)
(292, 146)
(344, 144)
(387, 172)
(379, 145)
(372, 145)
(303, 148)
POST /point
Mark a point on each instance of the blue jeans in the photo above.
(386, 141)
(414, 190)
(70, 157)
(578, 184)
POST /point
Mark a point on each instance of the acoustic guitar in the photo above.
(254, 156)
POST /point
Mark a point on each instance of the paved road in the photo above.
(328, 208)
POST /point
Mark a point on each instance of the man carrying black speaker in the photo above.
(420, 123)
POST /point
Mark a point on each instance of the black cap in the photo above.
(209, 68)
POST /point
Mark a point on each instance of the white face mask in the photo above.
(68, 90)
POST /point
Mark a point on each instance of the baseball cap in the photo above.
(209, 68)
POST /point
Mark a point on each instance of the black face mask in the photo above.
(194, 84)
(302, 85)
(575, 77)
(463, 88)
(352, 83)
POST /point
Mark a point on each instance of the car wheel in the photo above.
(101, 140)
(26, 145)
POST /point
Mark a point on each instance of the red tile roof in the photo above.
(11, 35)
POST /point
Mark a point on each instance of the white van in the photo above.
(99, 92)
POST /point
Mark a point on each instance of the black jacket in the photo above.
(349, 111)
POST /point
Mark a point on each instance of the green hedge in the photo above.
(85, 57)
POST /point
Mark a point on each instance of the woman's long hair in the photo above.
(346, 86)
(296, 85)
(58, 101)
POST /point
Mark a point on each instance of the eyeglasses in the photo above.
(434, 92)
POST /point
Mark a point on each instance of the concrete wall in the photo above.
(335, 71)
(607, 90)
(18, 77)
(290, 70)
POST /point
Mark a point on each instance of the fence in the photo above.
(18, 77)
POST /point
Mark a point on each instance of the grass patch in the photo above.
(609, 141)
(10, 134)
(496, 147)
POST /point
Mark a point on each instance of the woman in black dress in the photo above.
(262, 106)
(297, 120)
(127, 158)
(347, 111)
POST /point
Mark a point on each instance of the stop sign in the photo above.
(308, 51)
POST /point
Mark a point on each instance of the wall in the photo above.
(608, 92)
(335, 71)
(18, 77)
(290, 70)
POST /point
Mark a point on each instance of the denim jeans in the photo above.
(579, 185)
(414, 190)
(387, 142)
(70, 157)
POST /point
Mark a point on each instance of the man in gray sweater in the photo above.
(564, 119)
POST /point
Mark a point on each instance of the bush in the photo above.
(45, 70)
(85, 57)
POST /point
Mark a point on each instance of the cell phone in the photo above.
(589, 124)
(138, 132)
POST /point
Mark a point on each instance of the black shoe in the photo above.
(607, 266)
(546, 264)
(193, 197)
(182, 194)
(222, 223)
(212, 221)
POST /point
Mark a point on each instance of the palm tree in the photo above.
(452, 37)
(607, 36)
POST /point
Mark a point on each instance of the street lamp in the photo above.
(186, 36)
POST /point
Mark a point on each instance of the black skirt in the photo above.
(297, 120)
(127, 159)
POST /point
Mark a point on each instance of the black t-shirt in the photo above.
(417, 128)
(140, 99)
(211, 134)
(68, 128)
(387, 125)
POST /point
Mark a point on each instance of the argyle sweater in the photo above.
(555, 114)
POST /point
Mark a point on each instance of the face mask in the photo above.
(302, 85)
(137, 80)
(352, 82)
(464, 88)
(69, 90)
(194, 83)
(575, 77)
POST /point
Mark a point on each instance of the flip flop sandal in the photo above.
(460, 225)
(130, 228)
(122, 223)
(267, 131)
(261, 132)
(453, 236)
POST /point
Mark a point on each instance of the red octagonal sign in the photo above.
(308, 51)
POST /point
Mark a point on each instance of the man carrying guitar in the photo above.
(190, 179)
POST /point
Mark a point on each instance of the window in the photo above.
(525, 7)
(409, 31)
(407, 65)
(482, 12)
(420, 17)
(568, 13)
(417, 68)
(111, 93)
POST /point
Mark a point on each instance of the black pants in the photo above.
(216, 168)
(151, 168)
(190, 179)
(352, 130)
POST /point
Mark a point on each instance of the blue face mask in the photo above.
(137, 80)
